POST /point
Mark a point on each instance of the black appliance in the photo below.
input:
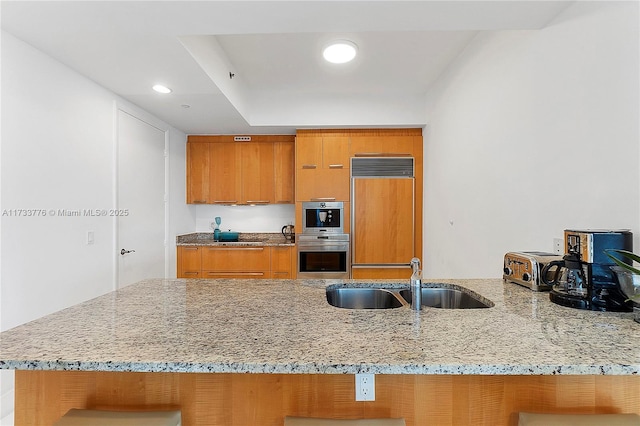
(584, 279)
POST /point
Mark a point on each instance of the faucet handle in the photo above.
(415, 263)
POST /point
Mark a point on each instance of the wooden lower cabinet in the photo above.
(189, 262)
(283, 262)
(381, 273)
(212, 399)
(235, 262)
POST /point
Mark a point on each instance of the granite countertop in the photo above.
(286, 326)
(245, 239)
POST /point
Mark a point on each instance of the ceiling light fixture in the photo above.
(161, 89)
(340, 52)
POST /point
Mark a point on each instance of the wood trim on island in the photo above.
(212, 399)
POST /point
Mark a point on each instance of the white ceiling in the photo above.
(274, 50)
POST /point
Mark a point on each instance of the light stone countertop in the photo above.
(245, 239)
(287, 326)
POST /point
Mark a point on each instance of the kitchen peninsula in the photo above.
(183, 342)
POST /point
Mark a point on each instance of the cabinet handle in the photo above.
(284, 202)
(225, 202)
(248, 274)
(258, 201)
(190, 273)
(382, 154)
(199, 202)
(309, 166)
(189, 248)
(324, 199)
(336, 166)
(237, 248)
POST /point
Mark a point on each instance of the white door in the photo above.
(140, 200)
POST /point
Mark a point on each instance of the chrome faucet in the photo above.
(416, 285)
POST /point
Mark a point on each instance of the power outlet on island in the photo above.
(365, 387)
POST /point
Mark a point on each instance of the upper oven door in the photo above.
(323, 217)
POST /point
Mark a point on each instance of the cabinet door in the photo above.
(281, 262)
(224, 173)
(257, 173)
(284, 171)
(383, 145)
(197, 173)
(403, 273)
(235, 259)
(322, 185)
(189, 262)
(322, 169)
(308, 152)
(383, 230)
(335, 152)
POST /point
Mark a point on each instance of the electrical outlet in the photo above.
(558, 246)
(365, 387)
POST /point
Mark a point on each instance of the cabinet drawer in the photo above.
(235, 259)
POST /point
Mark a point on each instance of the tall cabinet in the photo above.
(379, 236)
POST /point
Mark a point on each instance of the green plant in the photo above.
(620, 263)
(628, 255)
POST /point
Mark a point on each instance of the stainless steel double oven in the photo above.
(323, 247)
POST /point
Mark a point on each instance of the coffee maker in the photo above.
(584, 278)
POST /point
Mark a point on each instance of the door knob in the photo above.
(123, 251)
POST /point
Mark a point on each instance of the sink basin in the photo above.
(447, 298)
(383, 298)
(363, 298)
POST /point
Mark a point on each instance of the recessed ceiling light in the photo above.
(340, 52)
(161, 89)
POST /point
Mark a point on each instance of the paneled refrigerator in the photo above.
(382, 216)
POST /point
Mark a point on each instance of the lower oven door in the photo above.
(323, 259)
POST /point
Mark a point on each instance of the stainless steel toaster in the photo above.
(523, 268)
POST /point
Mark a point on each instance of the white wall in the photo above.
(182, 217)
(57, 153)
(246, 218)
(530, 133)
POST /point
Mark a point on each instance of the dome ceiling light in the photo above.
(161, 89)
(340, 52)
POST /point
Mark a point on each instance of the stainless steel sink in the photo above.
(383, 298)
(447, 298)
(363, 298)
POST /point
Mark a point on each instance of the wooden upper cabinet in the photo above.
(335, 152)
(197, 173)
(257, 173)
(308, 152)
(284, 172)
(223, 171)
(322, 168)
(386, 145)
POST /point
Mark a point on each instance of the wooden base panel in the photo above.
(42, 397)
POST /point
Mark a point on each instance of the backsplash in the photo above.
(269, 218)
